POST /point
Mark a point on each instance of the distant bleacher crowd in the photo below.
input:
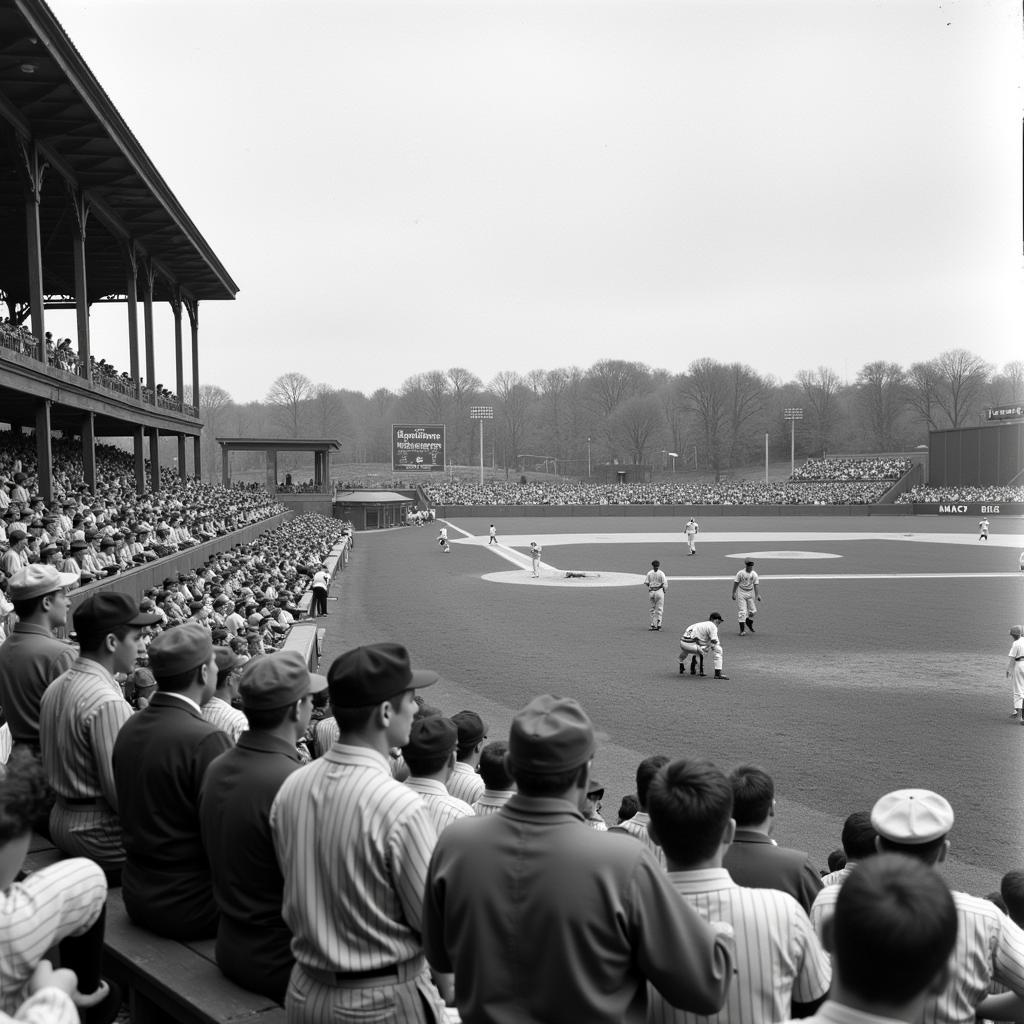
(931, 495)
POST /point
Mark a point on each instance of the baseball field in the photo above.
(878, 662)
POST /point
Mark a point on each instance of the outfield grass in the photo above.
(851, 687)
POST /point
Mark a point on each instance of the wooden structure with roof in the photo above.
(85, 217)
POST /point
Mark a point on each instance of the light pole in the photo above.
(672, 455)
(481, 413)
(792, 415)
(588, 458)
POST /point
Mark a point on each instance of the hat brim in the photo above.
(422, 678)
(317, 683)
(144, 619)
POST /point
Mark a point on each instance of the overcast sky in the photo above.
(518, 184)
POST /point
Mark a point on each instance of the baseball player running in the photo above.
(746, 592)
(656, 583)
(983, 530)
(691, 529)
(700, 638)
(492, 535)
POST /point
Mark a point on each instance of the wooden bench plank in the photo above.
(170, 982)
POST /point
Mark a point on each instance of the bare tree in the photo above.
(613, 381)
(287, 395)
(922, 391)
(513, 399)
(745, 396)
(881, 396)
(463, 387)
(634, 423)
(820, 388)
(328, 411)
(705, 391)
(962, 378)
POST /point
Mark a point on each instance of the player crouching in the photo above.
(700, 638)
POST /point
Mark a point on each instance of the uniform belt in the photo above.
(392, 975)
(78, 801)
(1021, 658)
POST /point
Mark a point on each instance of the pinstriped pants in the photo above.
(413, 1001)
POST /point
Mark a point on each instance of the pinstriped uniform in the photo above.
(354, 846)
(465, 783)
(989, 948)
(838, 877)
(63, 899)
(637, 828)
(325, 735)
(491, 801)
(442, 807)
(778, 958)
(222, 715)
(80, 716)
(47, 1006)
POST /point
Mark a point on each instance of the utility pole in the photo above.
(481, 413)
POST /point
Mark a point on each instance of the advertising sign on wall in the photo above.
(417, 448)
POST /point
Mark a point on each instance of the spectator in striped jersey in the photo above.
(80, 716)
(858, 840)
(894, 928)
(636, 826)
(430, 755)
(464, 781)
(780, 967)
(219, 710)
(498, 784)
(354, 844)
(1011, 888)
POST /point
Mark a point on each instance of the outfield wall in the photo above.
(713, 511)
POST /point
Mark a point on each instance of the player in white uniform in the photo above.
(746, 592)
(983, 530)
(442, 539)
(535, 550)
(700, 638)
(656, 583)
(492, 535)
(1015, 671)
(691, 529)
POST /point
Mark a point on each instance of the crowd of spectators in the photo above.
(932, 495)
(722, 492)
(873, 467)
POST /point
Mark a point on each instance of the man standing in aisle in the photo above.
(354, 845)
(746, 592)
(656, 583)
(691, 530)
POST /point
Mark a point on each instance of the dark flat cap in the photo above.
(101, 613)
(368, 675)
(431, 737)
(550, 735)
(180, 649)
(276, 680)
(471, 728)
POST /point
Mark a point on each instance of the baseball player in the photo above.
(746, 592)
(1021, 561)
(492, 535)
(535, 550)
(691, 529)
(1015, 671)
(656, 583)
(442, 539)
(700, 638)
(983, 530)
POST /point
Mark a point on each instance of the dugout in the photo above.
(985, 456)
(372, 510)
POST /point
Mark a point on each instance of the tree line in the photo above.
(713, 417)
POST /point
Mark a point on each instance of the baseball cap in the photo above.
(180, 649)
(100, 613)
(35, 580)
(595, 788)
(17, 534)
(551, 734)
(471, 728)
(431, 737)
(276, 680)
(749, 561)
(912, 816)
(373, 673)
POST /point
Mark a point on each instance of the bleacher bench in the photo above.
(168, 982)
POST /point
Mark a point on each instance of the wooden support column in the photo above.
(44, 456)
(225, 476)
(89, 450)
(81, 211)
(272, 470)
(192, 307)
(197, 457)
(138, 439)
(154, 459)
(32, 169)
(147, 322)
(132, 298)
(182, 468)
(179, 364)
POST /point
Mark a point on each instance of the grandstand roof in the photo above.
(283, 444)
(49, 95)
(368, 497)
